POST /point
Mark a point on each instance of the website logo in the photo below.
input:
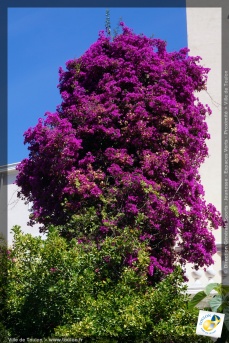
(210, 324)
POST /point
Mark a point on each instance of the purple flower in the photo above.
(107, 259)
(53, 270)
(151, 269)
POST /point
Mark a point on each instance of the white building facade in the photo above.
(14, 211)
(204, 39)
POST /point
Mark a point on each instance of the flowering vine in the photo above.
(123, 150)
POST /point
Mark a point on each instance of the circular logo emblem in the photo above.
(210, 324)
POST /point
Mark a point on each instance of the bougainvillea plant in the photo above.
(123, 151)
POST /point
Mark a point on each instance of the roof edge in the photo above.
(8, 167)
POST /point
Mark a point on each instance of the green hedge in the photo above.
(57, 288)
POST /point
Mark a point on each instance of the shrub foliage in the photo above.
(58, 288)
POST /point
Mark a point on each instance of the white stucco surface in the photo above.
(17, 211)
(204, 39)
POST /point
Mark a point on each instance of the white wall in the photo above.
(204, 39)
(17, 211)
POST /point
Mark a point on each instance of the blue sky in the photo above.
(40, 40)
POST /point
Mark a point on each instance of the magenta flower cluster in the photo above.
(127, 140)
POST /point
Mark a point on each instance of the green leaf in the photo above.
(216, 302)
(196, 299)
(226, 318)
(210, 287)
(225, 289)
(52, 289)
